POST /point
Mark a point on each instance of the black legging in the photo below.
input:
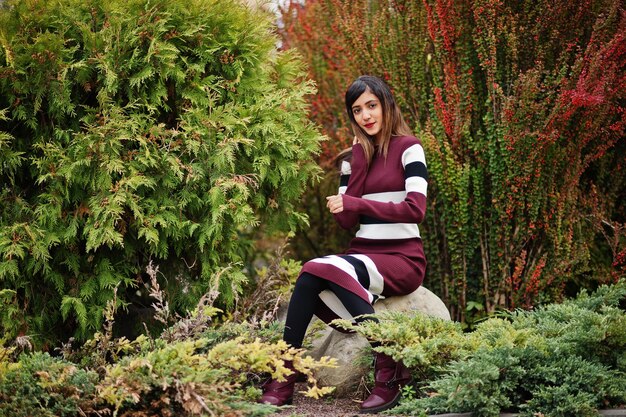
(304, 302)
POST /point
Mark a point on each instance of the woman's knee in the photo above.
(311, 283)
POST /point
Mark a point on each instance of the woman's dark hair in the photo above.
(393, 122)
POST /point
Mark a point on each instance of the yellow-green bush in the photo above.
(186, 378)
(559, 360)
(43, 386)
(214, 373)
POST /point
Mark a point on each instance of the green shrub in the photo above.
(590, 326)
(572, 386)
(196, 377)
(43, 386)
(138, 130)
(528, 380)
(559, 360)
(212, 370)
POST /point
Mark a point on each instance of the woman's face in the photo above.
(368, 113)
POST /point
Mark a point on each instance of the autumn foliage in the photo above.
(521, 109)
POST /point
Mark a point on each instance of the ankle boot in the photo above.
(390, 376)
(280, 393)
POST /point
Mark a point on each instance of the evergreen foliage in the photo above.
(40, 385)
(187, 378)
(559, 360)
(138, 130)
(210, 370)
(423, 343)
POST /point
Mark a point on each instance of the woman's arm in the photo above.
(411, 210)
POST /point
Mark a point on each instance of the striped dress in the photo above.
(388, 201)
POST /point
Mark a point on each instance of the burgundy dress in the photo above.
(388, 200)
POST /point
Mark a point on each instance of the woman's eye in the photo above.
(356, 111)
(373, 105)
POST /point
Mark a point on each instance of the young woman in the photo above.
(382, 188)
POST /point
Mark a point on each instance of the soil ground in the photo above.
(347, 407)
(325, 407)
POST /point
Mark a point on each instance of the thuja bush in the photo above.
(137, 130)
(558, 360)
(520, 109)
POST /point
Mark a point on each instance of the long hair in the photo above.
(393, 122)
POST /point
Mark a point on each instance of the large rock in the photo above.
(421, 300)
(346, 348)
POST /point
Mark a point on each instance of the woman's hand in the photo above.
(335, 203)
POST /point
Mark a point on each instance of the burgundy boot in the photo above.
(389, 376)
(280, 393)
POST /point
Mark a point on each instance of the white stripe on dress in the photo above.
(346, 169)
(414, 153)
(376, 287)
(416, 184)
(389, 231)
(386, 197)
(377, 282)
(344, 266)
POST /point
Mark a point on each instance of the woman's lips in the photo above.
(369, 125)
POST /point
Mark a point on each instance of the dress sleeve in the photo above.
(351, 183)
(413, 208)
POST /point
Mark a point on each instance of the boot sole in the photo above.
(289, 401)
(383, 407)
